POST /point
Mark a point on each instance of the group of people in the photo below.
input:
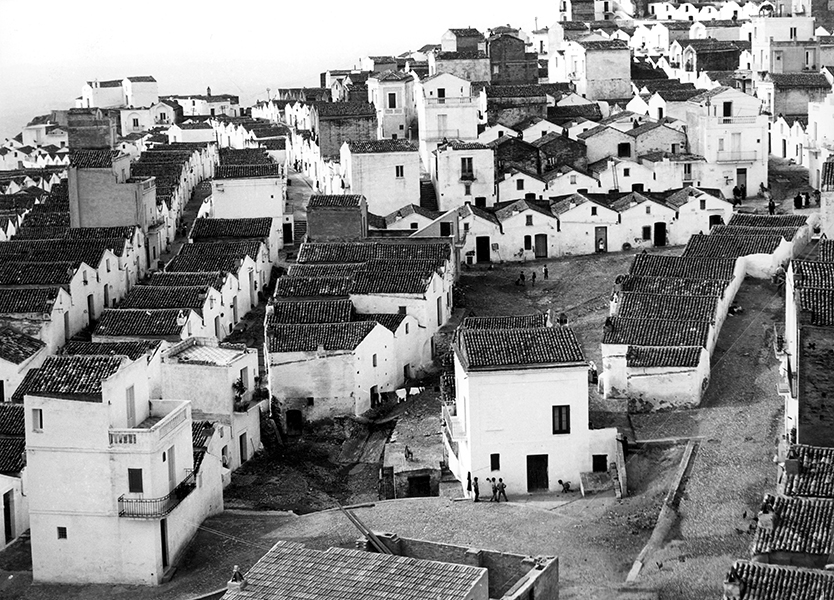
(499, 489)
(739, 194)
(522, 277)
(804, 199)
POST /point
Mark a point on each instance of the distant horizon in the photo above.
(245, 61)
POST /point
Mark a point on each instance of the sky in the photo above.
(50, 48)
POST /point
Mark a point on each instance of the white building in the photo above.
(14, 501)
(392, 93)
(446, 109)
(131, 494)
(541, 376)
(248, 191)
(386, 172)
(18, 353)
(463, 172)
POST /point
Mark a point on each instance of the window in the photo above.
(62, 533)
(399, 170)
(623, 150)
(703, 204)
(793, 33)
(374, 359)
(519, 184)
(494, 462)
(466, 226)
(135, 123)
(647, 232)
(413, 225)
(687, 170)
(561, 419)
(37, 419)
(130, 402)
(466, 171)
(626, 172)
(573, 179)
(392, 100)
(401, 310)
(720, 144)
(406, 328)
(593, 211)
(467, 189)
(107, 264)
(311, 401)
(529, 221)
(134, 481)
(528, 242)
(648, 210)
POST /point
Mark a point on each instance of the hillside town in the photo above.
(525, 313)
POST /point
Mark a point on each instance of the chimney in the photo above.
(608, 327)
(181, 319)
(733, 588)
(208, 91)
(237, 582)
(768, 521)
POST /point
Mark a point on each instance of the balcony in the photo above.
(459, 100)
(394, 111)
(156, 508)
(166, 415)
(739, 156)
(454, 423)
(439, 134)
(467, 176)
(736, 120)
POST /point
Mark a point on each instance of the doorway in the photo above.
(91, 309)
(784, 148)
(374, 396)
(419, 486)
(537, 473)
(541, 245)
(599, 463)
(715, 220)
(243, 446)
(287, 233)
(659, 234)
(601, 239)
(163, 538)
(8, 516)
(106, 295)
(482, 248)
(741, 177)
(217, 332)
(295, 422)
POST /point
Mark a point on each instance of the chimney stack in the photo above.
(237, 582)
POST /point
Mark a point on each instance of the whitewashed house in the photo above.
(385, 171)
(392, 94)
(446, 109)
(14, 501)
(463, 171)
(18, 353)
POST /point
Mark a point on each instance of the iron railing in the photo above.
(155, 508)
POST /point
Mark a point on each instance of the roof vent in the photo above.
(237, 582)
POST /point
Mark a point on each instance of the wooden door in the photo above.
(537, 479)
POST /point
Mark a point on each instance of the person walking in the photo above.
(502, 490)
(522, 278)
(743, 195)
(494, 497)
(533, 278)
(545, 272)
(771, 207)
(797, 200)
(475, 489)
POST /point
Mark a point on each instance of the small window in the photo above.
(624, 150)
(406, 328)
(400, 171)
(529, 221)
(466, 226)
(401, 310)
(593, 211)
(392, 100)
(311, 401)
(573, 179)
(647, 232)
(703, 204)
(519, 184)
(134, 481)
(648, 210)
(528, 242)
(37, 419)
(494, 462)
(374, 359)
(626, 172)
(62, 533)
(413, 225)
(135, 123)
(561, 419)
(107, 264)
(720, 144)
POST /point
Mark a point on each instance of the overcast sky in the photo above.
(49, 48)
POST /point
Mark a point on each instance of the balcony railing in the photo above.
(458, 100)
(467, 176)
(147, 438)
(739, 156)
(394, 111)
(736, 120)
(455, 424)
(439, 134)
(156, 508)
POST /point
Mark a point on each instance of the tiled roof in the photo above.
(27, 300)
(506, 322)
(657, 357)
(77, 377)
(230, 249)
(467, 32)
(816, 472)
(389, 282)
(705, 95)
(215, 280)
(673, 286)
(603, 44)
(154, 296)
(247, 171)
(813, 274)
(762, 581)
(316, 311)
(490, 348)
(655, 332)
(672, 308)
(827, 176)
(244, 156)
(799, 80)
(193, 125)
(740, 231)
(825, 251)
(468, 54)
(106, 84)
(562, 114)
(677, 94)
(25, 385)
(390, 321)
(376, 146)
(12, 420)
(410, 209)
(201, 263)
(133, 350)
(253, 228)
(335, 201)
(724, 246)
(462, 145)
(816, 306)
(29, 273)
(75, 251)
(344, 109)
(142, 79)
(777, 221)
(802, 525)
(91, 159)
(353, 252)
(684, 267)
(289, 570)
(17, 347)
(304, 287)
(325, 270)
(12, 454)
(308, 338)
(140, 323)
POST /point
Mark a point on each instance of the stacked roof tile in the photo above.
(491, 348)
(811, 274)
(745, 220)
(301, 287)
(378, 146)
(506, 322)
(308, 338)
(310, 312)
(154, 296)
(636, 305)
(802, 525)
(18, 347)
(353, 252)
(202, 263)
(91, 159)
(28, 273)
(74, 377)
(335, 110)
(207, 278)
(335, 201)
(248, 171)
(683, 266)
(655, 332)
(141, 323)
(825, 251)
(12, 439)
(27, 300)
(133, 350)
(324, 270)
(247, 156)
(725, 246)
(663, 357)
(390, 321)
(760, 581)
(673, 286)
(815, 476)
(253, 228)
(743, 231)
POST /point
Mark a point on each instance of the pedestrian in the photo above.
(807, 198)
(494, 497)
(743, 189)
(468, 483)
(771, 207)
(502, 490)
(736, 194)
(475, 489)
(797, 200)
(545, 271)
(601, 245)
(533, 278)
(522, 278)
(817, 197)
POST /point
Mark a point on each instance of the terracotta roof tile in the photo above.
(17, 347)
(725, 246)
(799, 525)
(248, 171)
(201, 263)
(378, 146)
(816, 306)
(389, 282)
(335, 201)
(811, 274)
(308, 338)
(776, 582)
(12, 417)
(825, 251)
(327, 110)
(153, 296)
(684, 267)
(672, 286)
(745, 220)
(354, 252)
(12, 454)
(667, 307)
(140, 323)
(816, 472)
(307, 287)
(743, 231)
(91, 159)
(214, 279)
(74, 377)
(291, 312)
(390, 321)
(489, 348)
(506, 322)
(133, 350)
(655, 332)
(206, 229)
(324, 270)
(27, 300)
(29, 273)
(230, 249)
(244, 156)
(674, 356)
